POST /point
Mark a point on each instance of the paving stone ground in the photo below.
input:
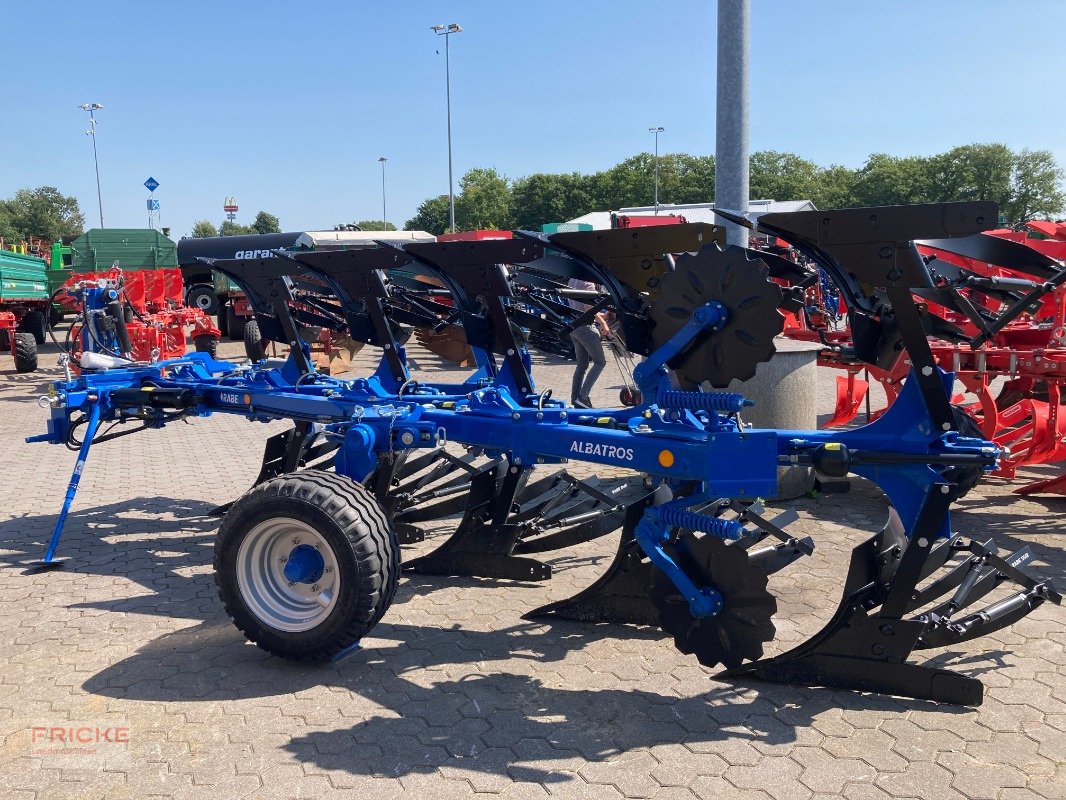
(454, 695)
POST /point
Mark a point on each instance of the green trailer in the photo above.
(98, 249)
(23, 307)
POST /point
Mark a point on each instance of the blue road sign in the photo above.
(153, 204)
(152, 184)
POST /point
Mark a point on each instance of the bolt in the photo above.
(888, 630)
(314, 588)
(923, 542)
(329, 569)
(516, 416)
(944, 489)
(295, 539)
(282, 560)
(292, 583)
(927, 371)
(878, 649)
(946, 426)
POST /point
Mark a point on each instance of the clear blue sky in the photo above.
(288, 106)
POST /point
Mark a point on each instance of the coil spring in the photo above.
(721, 402)
(682, 518)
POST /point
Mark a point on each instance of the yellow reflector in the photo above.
(666, 459)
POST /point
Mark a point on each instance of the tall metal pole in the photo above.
(91, 107)
(657, 130)
(384, 218)
(448, 83)
(731, 136)
(446, 32)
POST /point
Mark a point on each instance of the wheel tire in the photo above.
(235, 324)
(25, 352)
(203, 298)
(253, 341)
(127, 313)
(631, 396)
(206, 343)
(5, 340)
(55, 316)
(34, 323)
(351, 533)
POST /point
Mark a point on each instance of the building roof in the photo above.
(695, 212)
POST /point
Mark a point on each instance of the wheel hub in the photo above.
(304, 565)
(287, 574)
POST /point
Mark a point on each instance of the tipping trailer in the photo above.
(23, 307)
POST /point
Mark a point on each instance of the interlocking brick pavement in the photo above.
(454, 695)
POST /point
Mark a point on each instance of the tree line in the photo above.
(1026, 184)
(44, 213)
(264, 222)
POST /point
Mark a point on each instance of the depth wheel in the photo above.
(737, 633)
(206, 343)
(253, 341)
(306, 564)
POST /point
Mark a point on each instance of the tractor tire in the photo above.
(206, 343)
(306, 564)
(235, 324)
(55, 316)
(34, 323)
(5, 340)
(25, 352)
(253, 341)
(203, 298)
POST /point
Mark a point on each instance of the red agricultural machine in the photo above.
(144, 318)
(1013, 378)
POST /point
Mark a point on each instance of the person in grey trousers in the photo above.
(588, 346)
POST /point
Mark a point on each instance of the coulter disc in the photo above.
(742, 286)
(737, 633)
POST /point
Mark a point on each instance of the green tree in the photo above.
(834, 187)
(886, 180)
(432, 216)
(204, 229)
(484, 201)
(1036, 187)
(44, 212)
(375, 225)
(781, 176)
(266, 223)
(8, 232)
(228, 228)
(542, 198)
(974, 172)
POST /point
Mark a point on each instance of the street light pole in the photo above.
(92, 107)
(384, 218)
(446, 31)
(656, 131)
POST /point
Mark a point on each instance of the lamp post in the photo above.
(656, 131)
(446, 31)
(384, 218)
(91, 108)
